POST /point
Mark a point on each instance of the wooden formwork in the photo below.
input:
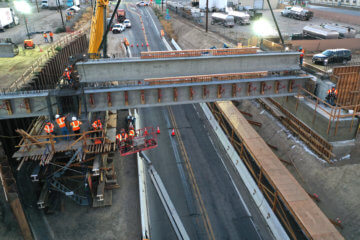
(197, 53)
(284, 194)
(348, 85)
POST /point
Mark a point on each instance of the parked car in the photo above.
(332, 56)
(127, 23)
(142, 4)
(118, 28)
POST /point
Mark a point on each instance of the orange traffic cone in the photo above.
(132, 45)
(40, 49)
(147, 44)
(173, 132)
(142, 44)
(146, 132)
(137, 44)
(158, 130)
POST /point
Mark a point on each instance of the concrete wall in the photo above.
(305, 113)
(321, 45)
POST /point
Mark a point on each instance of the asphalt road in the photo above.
(206, 198)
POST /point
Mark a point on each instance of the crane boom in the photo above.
(97, 28)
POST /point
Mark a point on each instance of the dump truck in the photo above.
(223, 19)
(297, 13)
(7, 18)
(121, 15)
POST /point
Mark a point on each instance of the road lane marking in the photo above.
(190, 171)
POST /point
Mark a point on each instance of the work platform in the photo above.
(276, 182)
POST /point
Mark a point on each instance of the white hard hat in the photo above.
(73, 118)
(57, 116)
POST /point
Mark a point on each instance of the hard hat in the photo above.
(66, 69)
(57, 116)
(122, 130)
(300, 47)
(73, 118)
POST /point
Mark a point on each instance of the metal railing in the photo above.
(335, 113)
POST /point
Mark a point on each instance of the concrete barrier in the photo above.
(8, 50)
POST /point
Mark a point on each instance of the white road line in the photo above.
(153, 21)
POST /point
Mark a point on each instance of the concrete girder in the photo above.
(138, 96)
(106, 70)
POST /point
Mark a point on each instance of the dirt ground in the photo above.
(336, 184)
(12, 68)
(288, 26)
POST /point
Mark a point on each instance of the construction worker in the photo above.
(302, 53)
(67, 75)
(118, 138)
(75, 124)
(62, 125)
(49, 128)
(51, 34)
(45, 37)
(332, 96)
(124, 137)
(131, 134)
(97, 126)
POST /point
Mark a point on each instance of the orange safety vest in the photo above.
(330, 91)
(76, 125)
(131, 133)
(51, 34)
(45, 36)
(118, 137)
(97, 125)
(49, 128)
(61, 122)
(302, 52)
(124, 136)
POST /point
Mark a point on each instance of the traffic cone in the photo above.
(132, 45)
(137, 45)
(146, 132)
(173, 132)
(147, 44)
(158, 130)
(142, 44)
(40, 49)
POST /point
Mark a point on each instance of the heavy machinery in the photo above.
(223, 19)
(297, 13)
(29, 43)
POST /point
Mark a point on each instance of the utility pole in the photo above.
(27, 29)
(37, 6)
(62, 18)
(207, 15)
(277, 26)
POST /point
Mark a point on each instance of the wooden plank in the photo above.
(308, 215)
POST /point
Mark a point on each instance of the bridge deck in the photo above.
(307, 214)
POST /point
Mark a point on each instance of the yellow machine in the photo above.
(97, 28)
